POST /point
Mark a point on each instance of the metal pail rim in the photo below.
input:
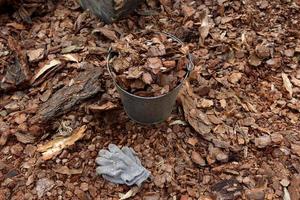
(190, 67)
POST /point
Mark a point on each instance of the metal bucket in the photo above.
(150, 110)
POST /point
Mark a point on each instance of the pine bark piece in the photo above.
(86, 85)
(54, 147)
(18, 73)
(227, 189)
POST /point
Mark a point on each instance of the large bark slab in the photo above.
(86, 85)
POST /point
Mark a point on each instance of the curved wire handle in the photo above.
(190, 66)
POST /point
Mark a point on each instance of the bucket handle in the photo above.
(190, 66)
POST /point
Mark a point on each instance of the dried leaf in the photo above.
(3, 138)
(204, 29)
(185, 49)
(287, 83)
(147, 78)
(104, 107)
(295, 81)
(134, 73)
(169, 64)
(70, 49)
(274, 62)
(107, 33)
(223, 103)
(30, 180)
(294, 188)
(262, 51)
(247, 121)
(154, 64)
(20, 118)
(254, 60)
(54, 147)
(251, 107)
(16, 26)
(192, 141)
(67, 171)
(297, 48)
(167, 3)
(19, 73)
(81, 21)
(43, 185)
(226, 19)
(25, 138)
(196, 158)
(289, 52)
(296, 149)
(151, 3)
(276, 138)
(262, 141)
(35, 55)
(178, 122)
(188, 11)
(235, 77)
(263, 4)
(97, 50)
(41, 71)
(137, 84)
(157, 51)
(120, 64)
(71, 57)
(46, 95)
(220, 129)
(131, 193)
(205, 103)
(118, 4)
(214, 119)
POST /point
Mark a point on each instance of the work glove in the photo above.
(121, 166)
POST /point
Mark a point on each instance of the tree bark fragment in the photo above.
(17, 73)
(86, 85)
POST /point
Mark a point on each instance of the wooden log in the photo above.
(86, 85)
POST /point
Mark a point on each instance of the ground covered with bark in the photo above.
(233, 134)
